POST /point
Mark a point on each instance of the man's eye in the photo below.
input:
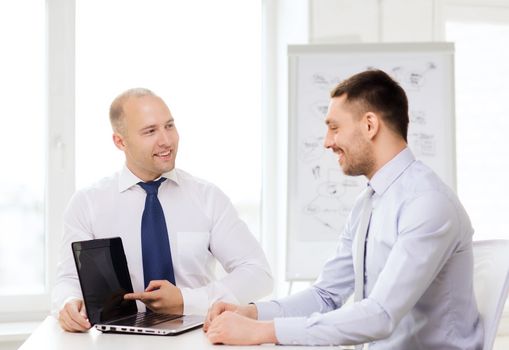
(149, 131)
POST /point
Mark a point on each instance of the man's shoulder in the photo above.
(419, 178)
(94, 196)
(197, 185)
(186, 179)
(100, 187)
(424, 185)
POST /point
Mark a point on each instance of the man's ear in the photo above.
(118, 140)
(372, 124)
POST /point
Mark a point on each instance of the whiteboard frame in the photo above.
(294, 52)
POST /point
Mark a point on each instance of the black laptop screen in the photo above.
(104, 279)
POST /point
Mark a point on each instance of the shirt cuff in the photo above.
(291, 330)
(267, 310)
(196, 301)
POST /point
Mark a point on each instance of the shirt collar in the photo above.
(384, 177)
(127, 179)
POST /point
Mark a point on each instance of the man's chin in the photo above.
(343, 167)
(347, 171)
(168, 169)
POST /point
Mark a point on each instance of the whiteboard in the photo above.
(320, 196)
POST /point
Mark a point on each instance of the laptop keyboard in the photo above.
(146, 319)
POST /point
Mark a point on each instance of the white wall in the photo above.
(337, 21)
(340, 21)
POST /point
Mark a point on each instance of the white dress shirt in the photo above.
(418, 273)
(203, 227)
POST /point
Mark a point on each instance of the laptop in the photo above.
(104, 280)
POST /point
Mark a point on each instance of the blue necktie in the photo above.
(155, 245)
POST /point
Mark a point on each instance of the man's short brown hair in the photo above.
(374, 90)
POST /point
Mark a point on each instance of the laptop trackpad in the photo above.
(179, 323)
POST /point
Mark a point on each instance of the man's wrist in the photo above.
(180, 302)
(267, 333)
(252, 311)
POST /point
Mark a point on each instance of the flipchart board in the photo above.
(320, 196)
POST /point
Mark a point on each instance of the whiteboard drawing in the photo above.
(331, 205)
(323, 81)
(319, 109)
(311, 148)
(423, 144)
(417, 117)
(412, 78)
(316, 170)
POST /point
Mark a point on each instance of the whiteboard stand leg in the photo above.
(290, 285)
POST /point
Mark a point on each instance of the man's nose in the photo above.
(164, 138)
(328, 140)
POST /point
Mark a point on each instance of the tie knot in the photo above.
(368, 192)
(151, 187)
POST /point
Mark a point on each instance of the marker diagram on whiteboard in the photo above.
(320, 195)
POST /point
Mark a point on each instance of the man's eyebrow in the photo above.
(169, 121)
(148, 127)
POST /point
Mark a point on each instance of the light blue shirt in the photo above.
(418, 276)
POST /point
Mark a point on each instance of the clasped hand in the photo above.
(237, 325)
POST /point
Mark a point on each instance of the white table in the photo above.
(49, 336)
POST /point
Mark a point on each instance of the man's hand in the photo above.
(219, 307)
(160, 296)
(73, 317)
(232, 328)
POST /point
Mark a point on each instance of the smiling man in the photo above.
(405, 253)
(174, 227)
